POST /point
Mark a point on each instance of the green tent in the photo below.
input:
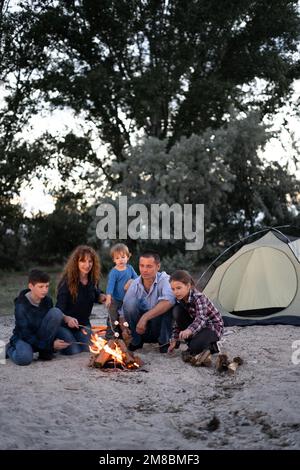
(259, 283)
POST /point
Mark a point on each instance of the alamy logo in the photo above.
(296, 354)
(2, 352)
(156, 224)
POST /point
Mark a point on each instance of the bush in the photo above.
(185, 261)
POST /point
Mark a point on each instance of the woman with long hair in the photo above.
(78, 290)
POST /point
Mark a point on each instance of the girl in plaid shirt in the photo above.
(196, 318)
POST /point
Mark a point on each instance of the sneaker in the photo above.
(163, 348)
(186, 356)
(202, 359)
(45, 356)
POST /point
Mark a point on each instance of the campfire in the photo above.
(112, 354)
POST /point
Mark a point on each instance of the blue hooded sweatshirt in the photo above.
(28, 319)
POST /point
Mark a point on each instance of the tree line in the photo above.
(176, 91)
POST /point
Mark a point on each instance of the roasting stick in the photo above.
(78, 342)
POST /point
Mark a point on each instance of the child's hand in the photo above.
(108, 300)
(60, 344)
(172, 345)
(127, 285)
(185, 334)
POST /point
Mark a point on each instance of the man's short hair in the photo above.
(151, 254)
(36, 275)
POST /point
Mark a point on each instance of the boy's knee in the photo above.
(55, 314)
(23, 359)
(65, 334)
(21, 354)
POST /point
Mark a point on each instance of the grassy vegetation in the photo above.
(12, 282)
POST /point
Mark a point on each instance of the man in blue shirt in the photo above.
(147, 305)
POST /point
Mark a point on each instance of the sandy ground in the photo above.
(64, 404)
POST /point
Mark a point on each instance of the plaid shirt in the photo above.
(203, 314)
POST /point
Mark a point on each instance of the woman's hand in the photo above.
(71, 322)
(102, 298)
(185, 334)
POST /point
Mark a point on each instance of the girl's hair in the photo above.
(120, 248)
(183, 276)
(71, 274)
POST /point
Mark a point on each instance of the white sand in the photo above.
(63, 404)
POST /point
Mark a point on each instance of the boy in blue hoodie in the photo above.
(36, 322)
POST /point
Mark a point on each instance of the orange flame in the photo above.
(98, 343)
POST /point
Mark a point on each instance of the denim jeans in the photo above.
(158, 329)
(71, 335)
(22, 352)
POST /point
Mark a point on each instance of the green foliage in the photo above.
(185, 261)
(171, 68)
(263, 192)
(11, 235)
(222, 169)
(51, 238)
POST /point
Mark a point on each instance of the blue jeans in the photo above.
(158, 329)
(22, 352)
(71, 335)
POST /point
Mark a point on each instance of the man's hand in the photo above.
(60, 344)
(172, 345)
(71, 322)
(185, 334)
(142, 325)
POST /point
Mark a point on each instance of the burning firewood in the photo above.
(114, 351)
(127, 356)
(100, 358)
